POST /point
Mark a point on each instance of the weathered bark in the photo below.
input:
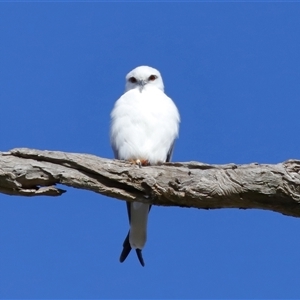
(29, 172)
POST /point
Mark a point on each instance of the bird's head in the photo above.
(143, 76)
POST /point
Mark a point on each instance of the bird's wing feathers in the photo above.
(126, 248)
(170, 152)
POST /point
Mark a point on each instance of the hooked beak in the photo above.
(142, 83)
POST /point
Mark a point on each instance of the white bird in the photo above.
(144, 126)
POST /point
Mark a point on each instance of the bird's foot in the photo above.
(140, 162)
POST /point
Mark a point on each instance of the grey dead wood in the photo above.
(275, 187)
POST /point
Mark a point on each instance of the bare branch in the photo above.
(29, 172)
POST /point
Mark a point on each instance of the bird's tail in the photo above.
(137, 235)
(126, 250)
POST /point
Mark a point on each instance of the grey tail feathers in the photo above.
(126, 250)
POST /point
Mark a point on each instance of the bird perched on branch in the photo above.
(144, 126)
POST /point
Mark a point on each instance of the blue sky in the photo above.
(233, 70)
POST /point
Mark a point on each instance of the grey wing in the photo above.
(116, 154)
(170, 152)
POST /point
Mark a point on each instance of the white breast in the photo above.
(144, 125)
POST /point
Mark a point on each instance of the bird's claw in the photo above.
(140, 162)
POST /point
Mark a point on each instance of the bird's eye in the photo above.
(152, 77)
(132, 80)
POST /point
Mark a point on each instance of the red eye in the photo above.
(152, 77)
(132, 80)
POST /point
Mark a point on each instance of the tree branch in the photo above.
(29, 172)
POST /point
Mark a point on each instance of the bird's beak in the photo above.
(142, 83)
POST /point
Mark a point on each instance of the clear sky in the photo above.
(233, 70)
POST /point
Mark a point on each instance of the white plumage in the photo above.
(144, 125)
